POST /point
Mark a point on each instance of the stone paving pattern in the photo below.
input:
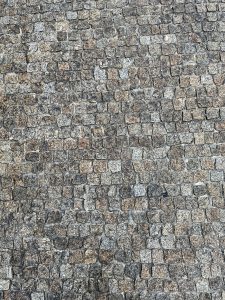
(112, 149)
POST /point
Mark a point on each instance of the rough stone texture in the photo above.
(112, 149)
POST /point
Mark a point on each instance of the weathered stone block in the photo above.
(132, 270)
(99, 73)
(4, 285)
(139, 190)
(154, 190)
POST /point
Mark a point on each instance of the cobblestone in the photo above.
(112, 156)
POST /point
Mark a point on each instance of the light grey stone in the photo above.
(4, 284)
(99, 73)
(139, 190)
(37, 296)
(114, 166)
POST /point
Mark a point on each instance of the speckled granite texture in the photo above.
(112, 149)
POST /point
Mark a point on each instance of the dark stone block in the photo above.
(95, 270)
(155, 190)
(54, 217)
(60, 243)
(132, 270)
(200, 189)
(32, 156)
(75, 243)
(20, 193)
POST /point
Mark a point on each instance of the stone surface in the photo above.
(154, 190)
(112, 149)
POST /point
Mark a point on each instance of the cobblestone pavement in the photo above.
(112, 149)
